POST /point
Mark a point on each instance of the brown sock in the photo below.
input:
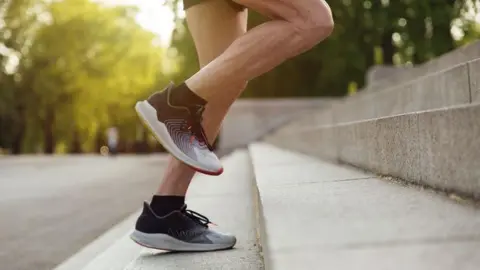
(183, 96)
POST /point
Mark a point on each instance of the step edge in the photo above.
(262, 235)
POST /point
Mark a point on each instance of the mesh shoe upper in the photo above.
(183, 124)
(185, 225)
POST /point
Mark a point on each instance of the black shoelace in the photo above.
(197, 217)
(195, 126)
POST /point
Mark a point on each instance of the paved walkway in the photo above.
(50, 207)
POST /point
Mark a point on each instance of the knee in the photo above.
(315, 25)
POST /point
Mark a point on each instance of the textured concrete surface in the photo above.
(311, 118)
(96, 248)
(440, 148)
(228, 201)
(442, 89)
(449, 148)
(474, 69)
(249, 120)
(395, 146)
(459, 56)
(393, 101)
(385, 145)
(319, 142)
(415, 256)
(447, 88)
(354, 108)
(340, 220)
(357, 149)
(50, 207)
(381, 72)
(315, 141)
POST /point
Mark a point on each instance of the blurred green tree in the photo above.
(18, 21)
(85, 68)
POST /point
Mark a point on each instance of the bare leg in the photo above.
(297, 26)
(214, 25)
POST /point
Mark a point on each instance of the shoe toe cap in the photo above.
(211, 162)
(225, 239)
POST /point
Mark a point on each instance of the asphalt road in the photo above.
(50, 207)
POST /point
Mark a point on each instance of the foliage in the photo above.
(79, 72)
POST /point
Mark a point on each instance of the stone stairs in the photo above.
(386, 179)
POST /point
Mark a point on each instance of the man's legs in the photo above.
(296, 26)
(214, 25)
(175, 114)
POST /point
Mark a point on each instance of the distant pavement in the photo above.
(52, 206)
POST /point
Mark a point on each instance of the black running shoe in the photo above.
(180, 131)
(182, 230)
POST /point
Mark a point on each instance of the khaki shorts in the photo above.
(189, 3)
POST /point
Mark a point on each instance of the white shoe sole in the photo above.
(149, 116)
(166, 242)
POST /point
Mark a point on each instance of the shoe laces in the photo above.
(196, 217)
(195, 126)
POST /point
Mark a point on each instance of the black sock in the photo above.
(163, 205)
(182, 95)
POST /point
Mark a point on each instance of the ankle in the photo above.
(183, 95)
(163, 205)
(176, 179)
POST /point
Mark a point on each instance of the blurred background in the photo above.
(72, 70)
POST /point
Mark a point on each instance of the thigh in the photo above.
(214, 25)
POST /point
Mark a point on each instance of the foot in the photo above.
(181, 230)
(179, 130)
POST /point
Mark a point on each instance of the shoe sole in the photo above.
(148, 115)
(168, 243)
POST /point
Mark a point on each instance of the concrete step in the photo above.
(318, 215)
(227, 200)
(260, 116)
(456, 86)
(449, 80)
(378, 81)
(438, 148)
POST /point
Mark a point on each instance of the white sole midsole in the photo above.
(166, 242)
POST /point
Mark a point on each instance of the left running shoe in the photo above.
(181, 230)
(179, 129)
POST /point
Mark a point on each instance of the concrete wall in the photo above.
(439, 148)
(454, 86)
(380, 72)
(391, 76)
(426, 130)
(250, 119)
(474, 72)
